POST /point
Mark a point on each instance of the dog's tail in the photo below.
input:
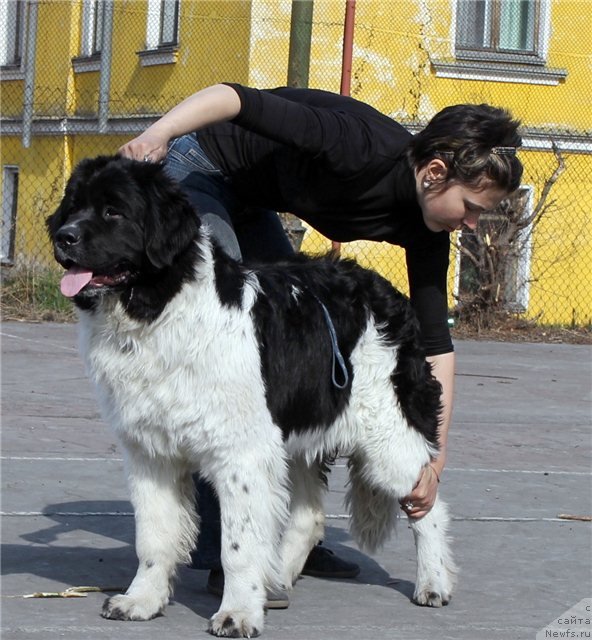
(373, 510)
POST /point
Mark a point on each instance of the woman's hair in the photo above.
(475, 141)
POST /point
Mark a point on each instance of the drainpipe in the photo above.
(29, 88)
(346, 68)
(106, 51)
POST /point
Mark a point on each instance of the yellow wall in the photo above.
(204, 27)
(562, 244)
(247, 41)
(41, 185)
(57, 44)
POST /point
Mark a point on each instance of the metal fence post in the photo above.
(29, 81)
(300, 35)
(106, 54)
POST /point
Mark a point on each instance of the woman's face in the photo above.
(448, 206)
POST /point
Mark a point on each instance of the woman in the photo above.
(352, 173)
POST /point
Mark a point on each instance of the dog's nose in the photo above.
(68, 235)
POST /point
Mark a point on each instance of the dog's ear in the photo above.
(171, 223)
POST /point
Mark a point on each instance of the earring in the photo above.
(426, 184)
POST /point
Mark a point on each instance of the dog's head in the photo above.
(119, 220)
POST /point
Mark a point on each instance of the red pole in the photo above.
(346, 67)
(348, 44)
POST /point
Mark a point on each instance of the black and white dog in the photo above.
(250, 376)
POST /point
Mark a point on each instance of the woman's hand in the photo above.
(147, 147)
(208, 106)
(421, 500)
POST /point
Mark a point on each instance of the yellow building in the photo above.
(79, 78)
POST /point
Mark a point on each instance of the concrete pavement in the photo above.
(520, 455)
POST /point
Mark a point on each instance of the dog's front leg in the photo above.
(166, 530)
(253, 508)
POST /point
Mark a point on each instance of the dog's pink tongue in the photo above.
(74, 280)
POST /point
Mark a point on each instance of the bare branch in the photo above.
(468, 254)
(542, 204)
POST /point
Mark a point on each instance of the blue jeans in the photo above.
(244, 232)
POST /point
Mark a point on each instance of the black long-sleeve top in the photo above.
(340, 165)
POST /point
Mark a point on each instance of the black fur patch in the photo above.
(296, 350)
(230, 279)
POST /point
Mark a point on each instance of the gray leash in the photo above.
(337, 357)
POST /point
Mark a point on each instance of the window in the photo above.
(493, 262)
(162, 33)
(12, 33)
(163, 23)
(92, 28)
(501, 41)
(92, 25)
(9, 208)
(501, 30)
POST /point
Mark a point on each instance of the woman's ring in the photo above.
(408, 506)
(147, 158)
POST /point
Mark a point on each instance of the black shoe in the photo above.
(275, 599)
(323, 563)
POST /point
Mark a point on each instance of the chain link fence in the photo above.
(80, 78)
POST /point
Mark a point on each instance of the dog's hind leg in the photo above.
(252, 488)
(166, 530)
(374, 510)
(383, 470)
(436, 571)
(307, 518)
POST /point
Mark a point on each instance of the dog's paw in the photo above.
(235, 624)
(434, 586)
(430, 598)
(124, 607)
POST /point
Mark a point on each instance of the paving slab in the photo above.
(520, 456)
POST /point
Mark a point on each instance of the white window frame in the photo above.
(92, 28)
(13, 17)
(10, 179)
(159, 11)
(521, 284)
(91, 36)
(159, 51)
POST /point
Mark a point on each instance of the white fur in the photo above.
(185, 393)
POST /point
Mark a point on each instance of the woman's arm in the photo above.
(208, 106)
(443, 370)
(424, 493)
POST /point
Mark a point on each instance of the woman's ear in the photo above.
(436, 171)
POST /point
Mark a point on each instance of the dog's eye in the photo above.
(109, 212)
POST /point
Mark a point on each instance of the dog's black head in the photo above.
(120, 223)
